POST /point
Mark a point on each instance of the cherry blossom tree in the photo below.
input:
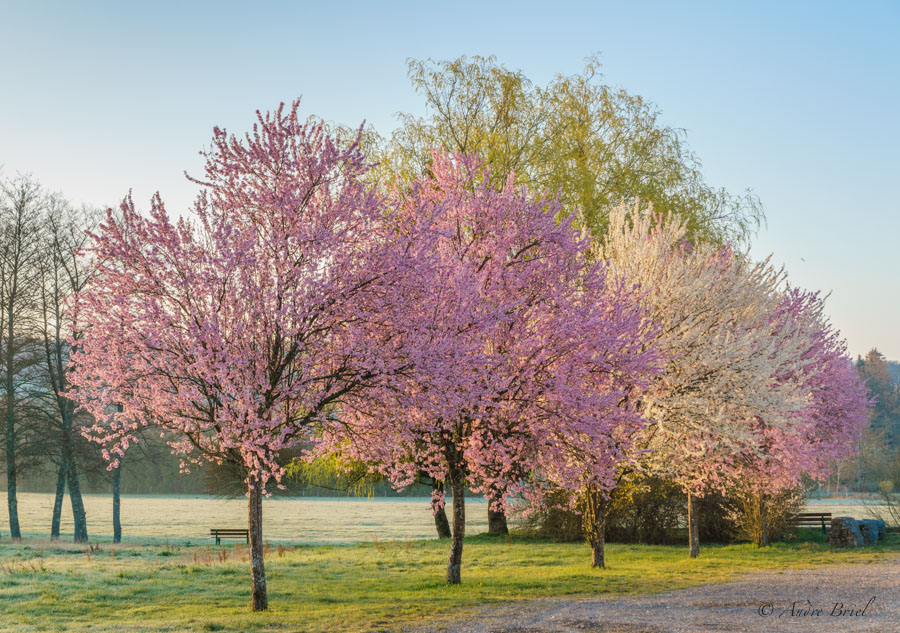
(529, 351)
(724, 348)
(234, 333)
(823, 432)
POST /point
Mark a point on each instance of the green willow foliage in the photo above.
(594, 144)
(333, 473)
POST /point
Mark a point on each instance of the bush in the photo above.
(716, 525)
(551, 520)
(886, 505)
(646, 510)
(642, 510)
(763, 518)
(653, 511)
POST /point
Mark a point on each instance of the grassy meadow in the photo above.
(376, 586)
(311, 520)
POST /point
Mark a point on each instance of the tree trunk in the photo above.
(12, 502)
(598, 548)
(11, 474)
(763, 522)
(497, 520)
(260, 600)
(454, 566)
(117, 522)
(78, 514)
(58, 501)
(440, 516)
(693, 526)
(594, 521)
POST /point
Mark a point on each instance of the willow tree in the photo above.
(594, 144)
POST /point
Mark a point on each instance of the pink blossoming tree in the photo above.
(527, 352)
(821, 433)
(234, 333)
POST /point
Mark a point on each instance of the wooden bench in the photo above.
(219, 534)
(811, 520)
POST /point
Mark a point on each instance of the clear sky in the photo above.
(796, 100)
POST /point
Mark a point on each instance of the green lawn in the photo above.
(48, 586)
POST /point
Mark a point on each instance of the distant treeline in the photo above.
(158, 473)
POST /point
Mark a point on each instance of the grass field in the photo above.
(312, 520)
(48, 586)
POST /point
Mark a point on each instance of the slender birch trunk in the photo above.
(11, 475)
(11, 471)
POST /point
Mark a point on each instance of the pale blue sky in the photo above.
(797, 100)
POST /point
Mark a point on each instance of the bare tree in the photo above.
(23, 204)
(63, 271)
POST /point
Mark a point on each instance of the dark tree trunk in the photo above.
(440, 516)
(497, 521)
(58, 501)
(117, 522)
(458, 488)
(598, 548)
(594, 521)
(260, 600)
(11, 500)
(11, 474)
(693, 526)
(763, 522)
(78, 514)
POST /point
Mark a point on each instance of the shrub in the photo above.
(641, 510)
(762, 518)
(645, 510)
(551, 520)
(716, 525)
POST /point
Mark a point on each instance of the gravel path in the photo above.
(757, 603)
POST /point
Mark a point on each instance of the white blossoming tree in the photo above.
(724, 348)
